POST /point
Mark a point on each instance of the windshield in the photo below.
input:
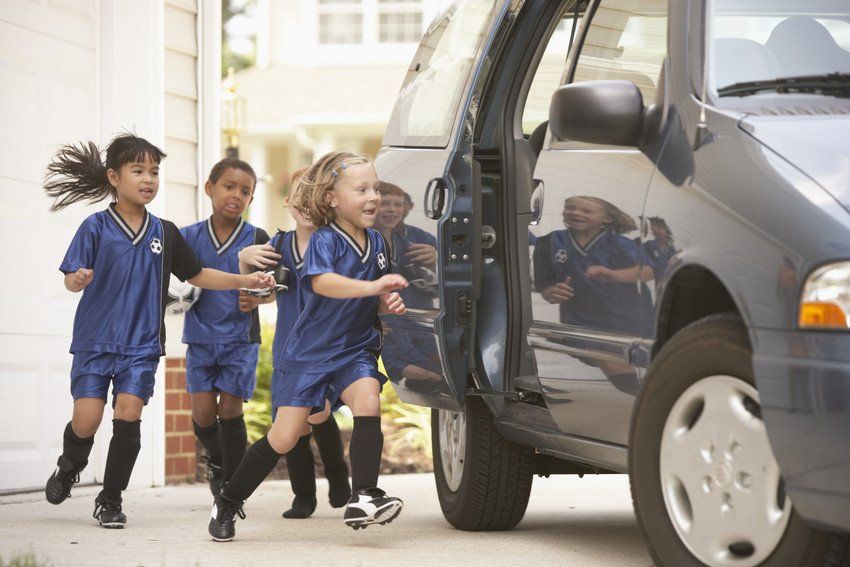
(759, 44)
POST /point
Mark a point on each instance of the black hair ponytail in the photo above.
(77, 173)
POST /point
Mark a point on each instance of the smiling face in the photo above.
(584, 215)
(231, 193)
(292, 201)
(392, 211)
(136, 183)
(356, 197)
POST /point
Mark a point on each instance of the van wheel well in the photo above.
(691, 294)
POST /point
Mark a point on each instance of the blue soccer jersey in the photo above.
(597, 303)
(290, 303)
(330, 333)
(121, 310)
(422, 290)
(215, 319)
(658, 258)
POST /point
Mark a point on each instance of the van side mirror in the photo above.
(598, 112)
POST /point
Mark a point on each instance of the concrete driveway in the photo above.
(570, 521)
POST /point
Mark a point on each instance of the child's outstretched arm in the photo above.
(209, 278)
(261, 256)
(340, 287)
(623, 275)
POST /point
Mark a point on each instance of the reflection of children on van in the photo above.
(589, 268)
(660, 249)
(412, 250)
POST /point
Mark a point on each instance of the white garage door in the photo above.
(48, 96)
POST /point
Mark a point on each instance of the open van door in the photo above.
(429, 214)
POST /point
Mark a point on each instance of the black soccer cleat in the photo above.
(222, 526)
(371, 506)
(58, 486)
(214, 475)
(109, 513)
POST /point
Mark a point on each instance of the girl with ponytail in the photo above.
(121, 259)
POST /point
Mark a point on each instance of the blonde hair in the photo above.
(294, 186)
(316, 184)
(621, 223)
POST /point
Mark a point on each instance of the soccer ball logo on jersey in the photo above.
(156, 246)
(561, 256)
(382, 261)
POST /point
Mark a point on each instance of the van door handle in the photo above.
(435, 198)
(537, 202)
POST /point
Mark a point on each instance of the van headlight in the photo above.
(825, 301)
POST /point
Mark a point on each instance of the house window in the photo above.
(341, 28)
(400, 27)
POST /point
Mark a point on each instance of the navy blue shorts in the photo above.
(92, 372)
(309, 389)
(222, 368)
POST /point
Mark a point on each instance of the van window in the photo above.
(626, 40)
(550, 72)
(427, 104)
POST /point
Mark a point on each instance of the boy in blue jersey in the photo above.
(332, 350)
(223, 341)
(660, 250)
(287, 249)
(122, 257)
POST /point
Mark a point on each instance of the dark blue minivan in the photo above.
(626, 225)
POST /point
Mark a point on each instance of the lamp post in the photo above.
(232, 114)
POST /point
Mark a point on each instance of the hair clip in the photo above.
(342, 166)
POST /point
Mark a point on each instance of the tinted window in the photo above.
(626, 40)
(550, 73)
(426, 106)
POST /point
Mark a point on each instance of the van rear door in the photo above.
(429, 216)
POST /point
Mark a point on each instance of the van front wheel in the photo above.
(706, 486)
(483, 480)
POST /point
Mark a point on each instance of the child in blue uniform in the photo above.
(122, 258)
(589, 268)
(223, 341)
(287, 249)
(332, 350)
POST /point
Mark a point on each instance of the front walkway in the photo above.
(570, 521)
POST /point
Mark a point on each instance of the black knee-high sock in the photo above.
(123, 450)
(259, 460)
(302, 468)
(210, 439)
(367, 441)
(76, 450)
(234, 442)
(302, 478)
(329, 441)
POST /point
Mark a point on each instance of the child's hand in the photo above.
(391, 304)
(247, 303)
(259, 255)
(258, 280)
(598, 273)
(560, 292)
(388, 283)
(80, 279)
(422, 253)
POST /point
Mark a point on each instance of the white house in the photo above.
(86, 70)
(327, 75)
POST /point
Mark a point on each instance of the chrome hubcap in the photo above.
(452, 446)
(721, 483)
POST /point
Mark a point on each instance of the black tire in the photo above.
(715, 345)
(497, 475)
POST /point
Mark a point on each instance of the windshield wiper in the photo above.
(830, 84)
